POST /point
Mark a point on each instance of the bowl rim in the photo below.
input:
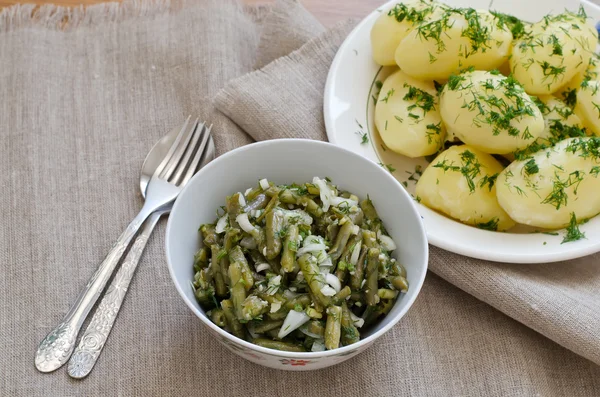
(279, 353)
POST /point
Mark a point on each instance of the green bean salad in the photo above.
(297, 267)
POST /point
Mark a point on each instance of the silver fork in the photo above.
(176, 169)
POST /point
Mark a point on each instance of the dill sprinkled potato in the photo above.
(587, 106)
(554, 185)
(458, 39)
(560, 122)
(391, 27)
(490, 112)
(552, 52)
(461, 183)
(407, 116)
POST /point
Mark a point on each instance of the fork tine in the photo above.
(169, 154)
(179, 152)
(209, 153)
(200, 153)
(189, 151)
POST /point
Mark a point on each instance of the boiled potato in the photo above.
(592, 72)
(587, 106)
(555, 50)
(393, 26)
(546, 189)
(490, 112)
(457, 40)
(460, 183)
(407, 116)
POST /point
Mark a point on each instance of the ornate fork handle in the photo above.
(56, 348)
(92, 342)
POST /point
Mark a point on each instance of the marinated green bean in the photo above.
(342, 295)
(209, 235)
(203, 287)
(217, 270)
(278, 345)
(238, 292)
(231, 320)
(333, 327)
(217, 316)
(372, 277)
(345, 264)
(316, 281)
(290, 247)
(291, 267)
(341, 239)
(274, 202)
(332, 231)
(201, 258)
(385, 293)
(236, 255)
(267, 325)
(350, 333)
(315, 328)
(356, 278)
(274, 225)
(369, 209)
(253, 307)
(258, 203)
(400, 283)
(233, 208)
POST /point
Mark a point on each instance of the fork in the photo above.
(176, 169)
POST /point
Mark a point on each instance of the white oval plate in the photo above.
(348, 109)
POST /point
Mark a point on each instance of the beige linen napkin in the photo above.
(80, 106)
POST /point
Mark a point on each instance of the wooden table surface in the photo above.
(327, 11)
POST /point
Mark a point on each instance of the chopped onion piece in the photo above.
(310, 248)
(300, 277)
(247, 191)
(241, 199)
(299, 217)
(325, 192)
(332, 280)
(248, 242)
(222, 224)
(289, 294)
(264, 184)
(355, 229)
(273, 285)
(324, 269)
(275, 306)
(355, 254)
(337, 201)
(262, 267)
(328, 291)
(244, 222)
(318, 346)
(313, 239)
(362, 284)
(387, 243)
(358, 322)
(326, 262)
(292, 322)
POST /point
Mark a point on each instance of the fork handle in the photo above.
(95, 335)
(56, 348)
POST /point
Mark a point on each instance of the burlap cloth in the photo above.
(82, 102)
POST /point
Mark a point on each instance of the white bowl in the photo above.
(348, 109)
(287, 161)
